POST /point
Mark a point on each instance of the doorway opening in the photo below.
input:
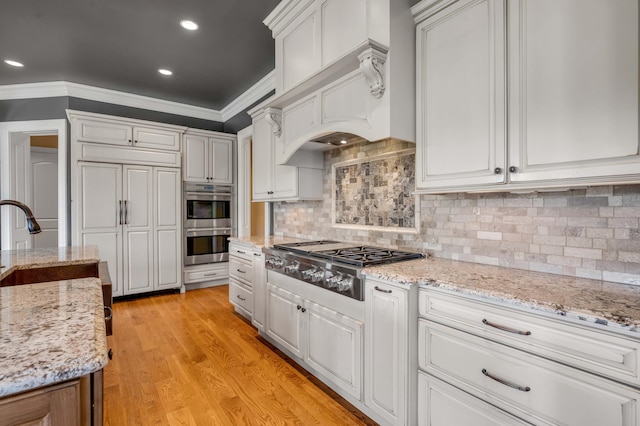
(33, 170)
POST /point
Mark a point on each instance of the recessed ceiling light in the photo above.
(165, 72)
(189, 25)
(13, 63)
(343, 141)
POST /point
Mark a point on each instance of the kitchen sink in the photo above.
(50, 273)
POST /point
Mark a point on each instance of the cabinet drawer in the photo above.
(548, 393)
(209, 274)
(240, 251)
(440, 403)
(240, 295)
(601, 352)
(241, 269)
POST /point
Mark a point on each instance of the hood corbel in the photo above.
(371, 65)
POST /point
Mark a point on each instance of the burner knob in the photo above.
(334, 280)
(345, 284)
(291, 268)
(308, 273)
(317, 275)
(277, 262)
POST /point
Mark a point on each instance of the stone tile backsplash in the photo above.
(590, 233)
(375, 192)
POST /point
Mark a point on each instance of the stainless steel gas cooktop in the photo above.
(332, 265)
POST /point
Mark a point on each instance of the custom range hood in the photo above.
(345, 71)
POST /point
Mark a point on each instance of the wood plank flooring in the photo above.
(189, 359)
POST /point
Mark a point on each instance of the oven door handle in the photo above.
(192, 232)
(208, 196)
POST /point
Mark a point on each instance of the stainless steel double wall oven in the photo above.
(207, 223)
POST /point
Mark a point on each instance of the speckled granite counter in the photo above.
(612, 304)
(53, 331)
(260, 242)
(11, 260)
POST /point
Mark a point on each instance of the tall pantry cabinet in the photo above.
(126, 199)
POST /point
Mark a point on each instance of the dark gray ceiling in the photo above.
(120, 44)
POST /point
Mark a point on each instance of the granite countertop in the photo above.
(611, 304)
(605, 303)
(51, 331)
(260, 242)
(11, 260)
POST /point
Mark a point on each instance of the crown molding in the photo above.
(251, 96)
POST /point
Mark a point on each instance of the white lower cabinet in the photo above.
(390, 381)
(285, 319)
(198, 274)
(441, 404)
(507, 375)
(334, 347)
(247, 281)
(326, 341)
(258, 317)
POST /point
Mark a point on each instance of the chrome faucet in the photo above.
(32, 224)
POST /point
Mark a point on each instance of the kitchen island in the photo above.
(52, 340)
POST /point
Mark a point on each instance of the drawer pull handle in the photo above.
(257, 254)
(240, 297)
(241, 271)
(503, 328)
(505, 382)
(210, 275)
(110, 315)
(382, 290)
(241, 252)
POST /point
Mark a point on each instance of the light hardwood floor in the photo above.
(189, 359)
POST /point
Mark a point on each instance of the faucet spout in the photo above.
(32, 224)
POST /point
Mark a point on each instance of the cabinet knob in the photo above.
(497, 171)
(513, 169)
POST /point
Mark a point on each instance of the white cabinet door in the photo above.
(168, 228)
(334, 347)
(104, 131)
(138, 229)
(196, 151)
(151, 137)
(259, 291)
(385, 352)
(443, 404)
(99, 221)
(285, 323)
(461, 97)
(221, 161)
(261, 159)
(573, 89)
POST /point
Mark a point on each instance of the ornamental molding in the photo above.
(371, 63)
(273, 116)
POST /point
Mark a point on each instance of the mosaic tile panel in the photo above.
(376, 192)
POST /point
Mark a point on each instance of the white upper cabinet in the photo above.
(108, 139)
(275, 182)
(461, 110)
(100, 129)
(573, 107)
(208, 157)
(551, 103)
